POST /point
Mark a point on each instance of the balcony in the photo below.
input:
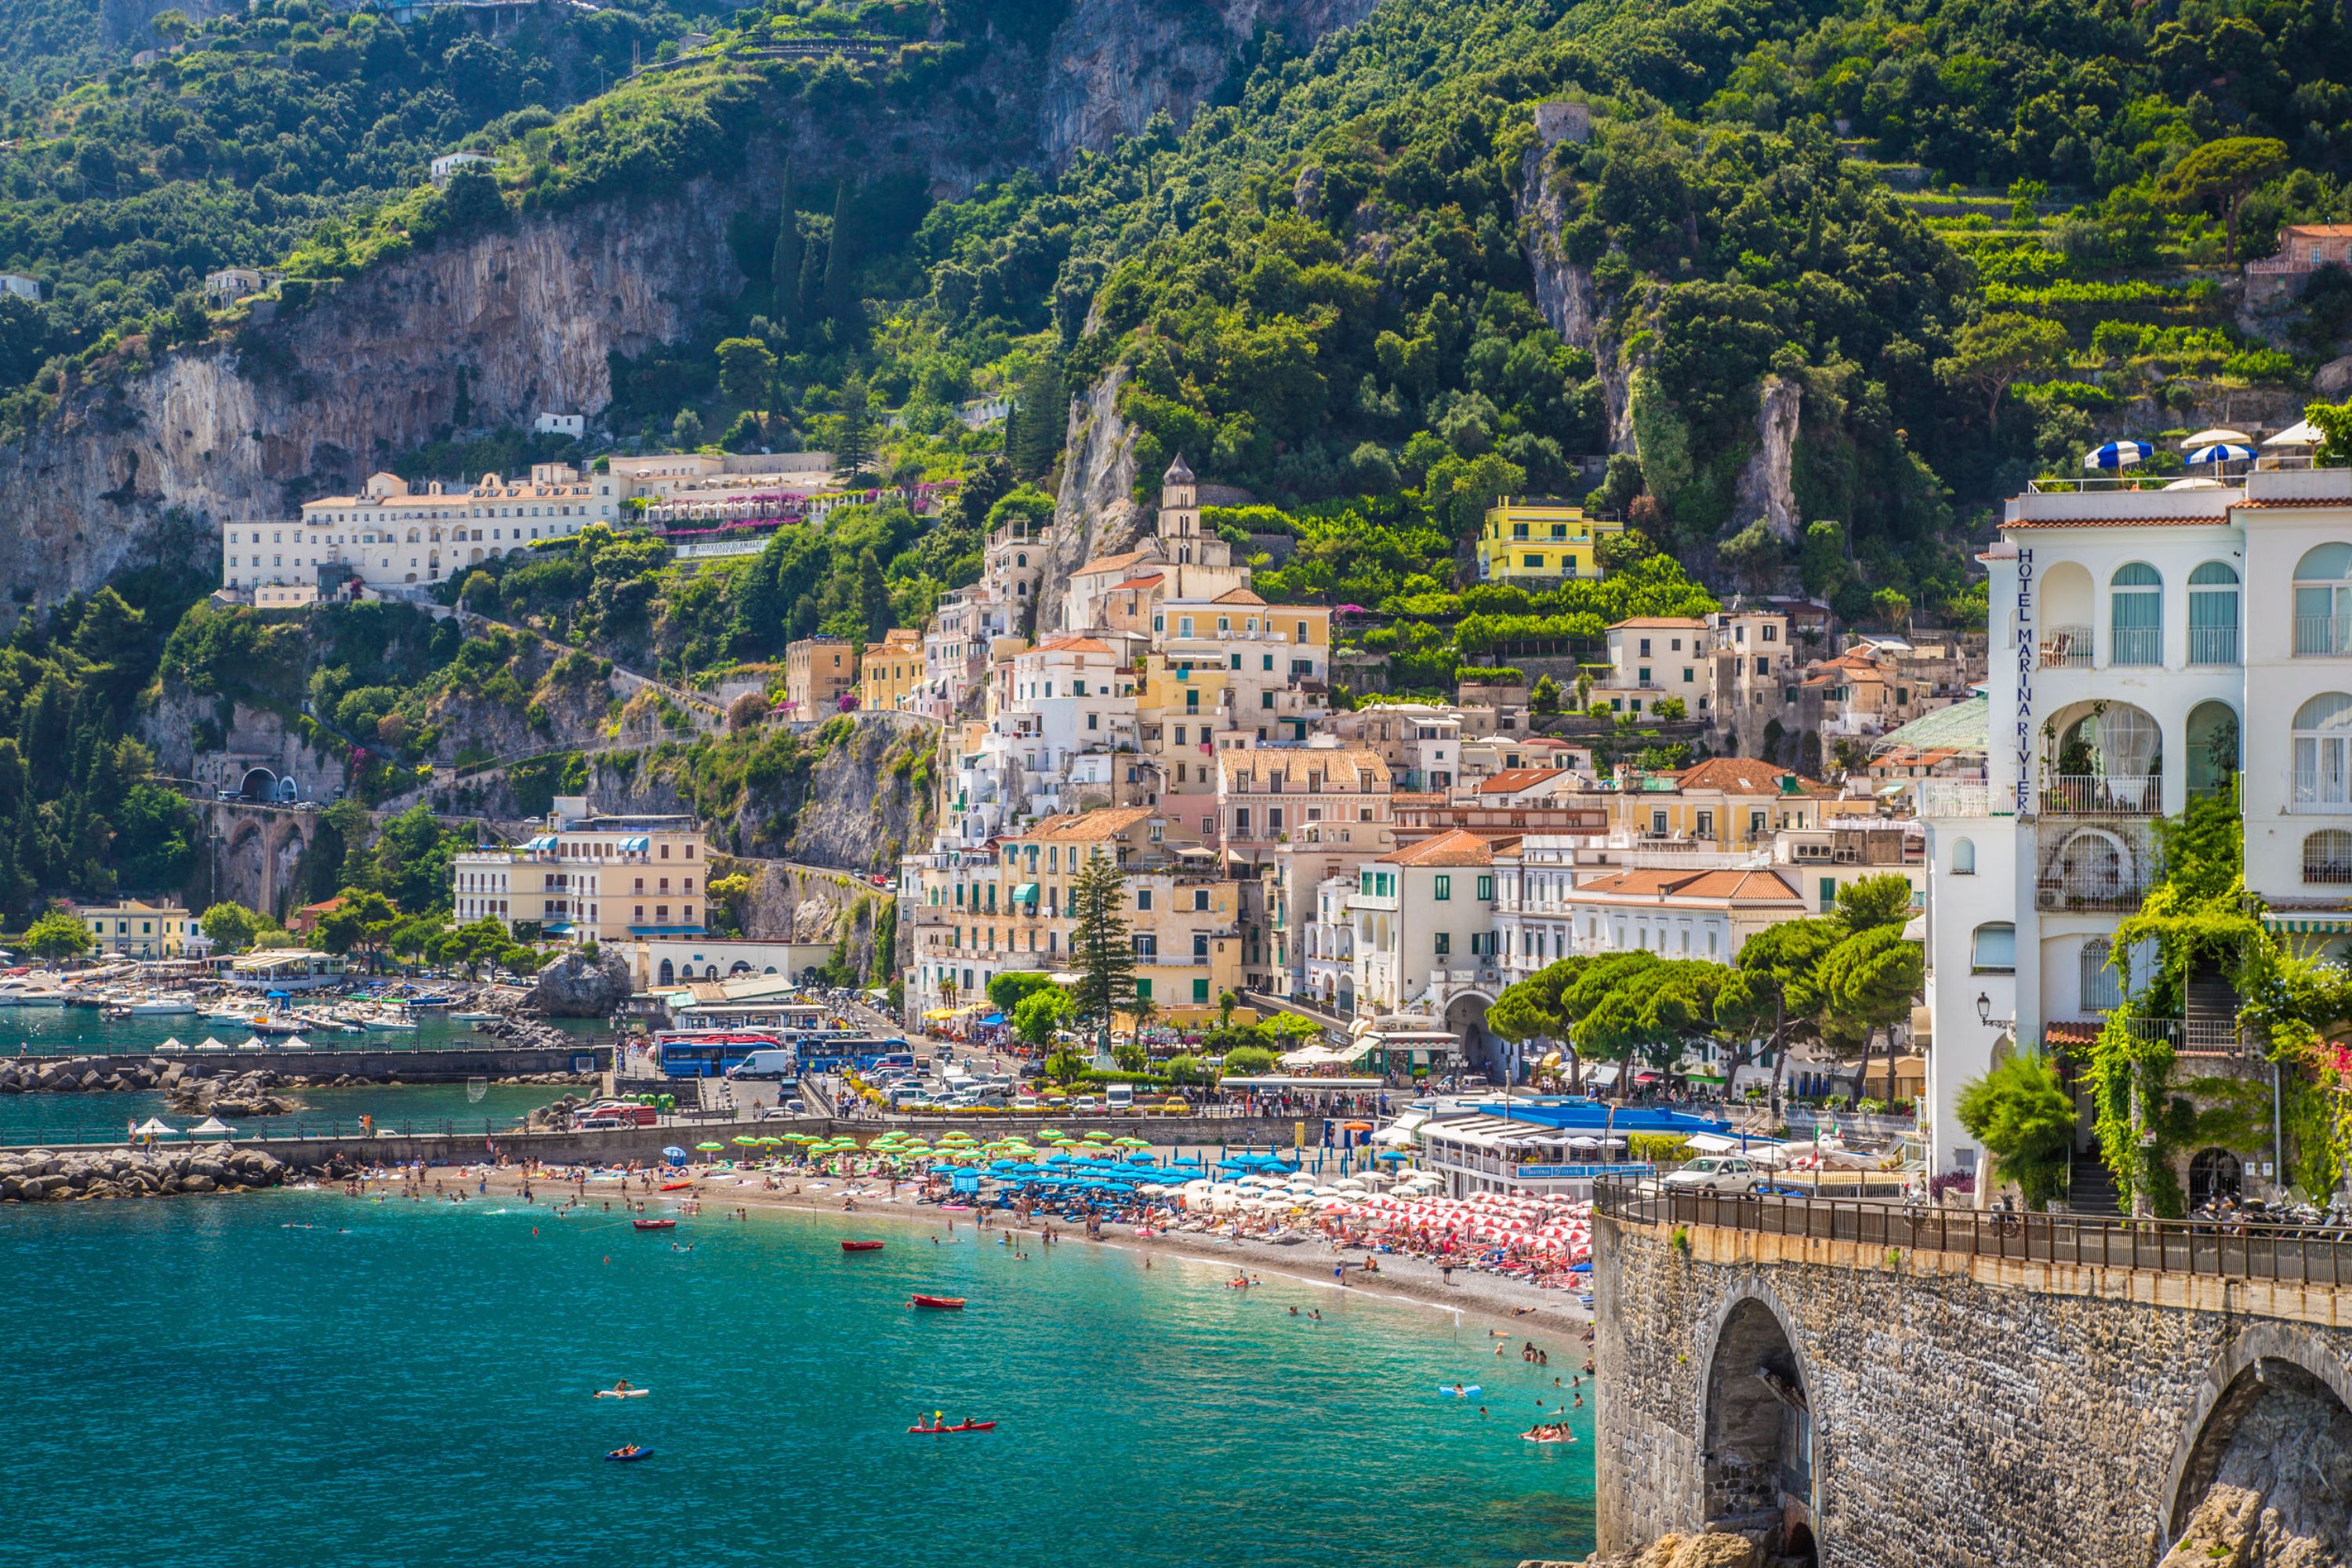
(2094, 795)
(2322, 637)
(2066, 648)
(2321, 795)
(2213, 644)
(2142, 646)
(1954, 798)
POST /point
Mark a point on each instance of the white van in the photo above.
(1119, 1096)
(776, 1064)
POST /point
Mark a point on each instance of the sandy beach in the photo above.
(1489, 1297)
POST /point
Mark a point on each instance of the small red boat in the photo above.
(941, 1303)
(861, 1247)
(655, 1224)
(967, 1427)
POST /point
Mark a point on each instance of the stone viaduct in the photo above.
(1867, 1385)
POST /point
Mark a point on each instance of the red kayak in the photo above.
(967, 1427)
(861, 1247)
(655, 1224)
(943, 1303)
(676, 1187)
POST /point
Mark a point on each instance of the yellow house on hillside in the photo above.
(1526, 537)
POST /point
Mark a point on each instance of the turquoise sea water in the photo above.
(409, 1384)
(63, 1031)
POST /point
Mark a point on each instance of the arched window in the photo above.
(1992, 950)
(2323, 754)
(2102, 988)
(2327, 858)
(2323, 601)
(2213, 614)
(2136, 615)
(1964, 858)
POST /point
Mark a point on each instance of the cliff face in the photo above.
(1116, 63)
(1096, 512)
(1565, 291)
(1766, 489)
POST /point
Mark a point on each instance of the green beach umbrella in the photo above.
(1135, 1143)
(712, 1148)
(744, 1142)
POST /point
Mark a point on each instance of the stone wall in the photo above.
(1966, 1411)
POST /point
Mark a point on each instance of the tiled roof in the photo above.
(1088, 828)
(1455, 847)
(2294, 501)
(1343, 769)
(1724, 887)
(1237, 596)
(1511, 781)
(2122, 521)
(1115, 562)
(1072, 645)
(1154, 581)
(1733, 775)
(1672, 623)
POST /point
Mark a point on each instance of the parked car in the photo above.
(1714, 1173)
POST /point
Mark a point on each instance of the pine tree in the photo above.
(1037, 442)
(1101, 947)
(784, 265)
(872, 595)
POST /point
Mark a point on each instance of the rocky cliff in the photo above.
(1117, 63)
(1096, 512)
(1565, 291)
(1766, 489)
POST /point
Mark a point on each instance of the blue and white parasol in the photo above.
(2117, 454)
(2222, 452)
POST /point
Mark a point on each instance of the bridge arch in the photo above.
(2273, 1377)
(1757, 1431)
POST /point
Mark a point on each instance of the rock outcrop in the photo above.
(1565, 291)
(37, 1175)
(231, 1095)
(1766, 491)
(1114, 64)
(1711, 1549)
(79, 1075)
(573, 986)
(1095, 513)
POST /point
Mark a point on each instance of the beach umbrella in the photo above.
(212, 1127)
(172, 1043)
(2215, 436)
(155, 1127)
(253, 1043)
(2117, 454)
(747, 1142)
(672, 1152)
(2223, 452)
(2302, 433)
(1135, 1143)
(296, 1043)
(211, 1044)
(711, 1148)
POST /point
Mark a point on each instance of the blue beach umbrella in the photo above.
(2117, 454)
(2222, 452)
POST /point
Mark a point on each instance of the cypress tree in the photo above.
(841, 259)
(784, 264)
(1101, 948)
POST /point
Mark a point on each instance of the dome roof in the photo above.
(1177, 474)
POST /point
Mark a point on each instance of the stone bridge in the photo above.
(1865, 1384)
(254, 848)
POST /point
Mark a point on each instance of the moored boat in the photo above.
(861, 1247)
(655, 1224)
(938, 1304)
(964, 1426)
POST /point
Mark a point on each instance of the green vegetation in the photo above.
(57, 934)
(2024, 1118)
(1100, 951)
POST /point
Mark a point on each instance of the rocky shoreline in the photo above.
(229, 1092)
(48, 1175)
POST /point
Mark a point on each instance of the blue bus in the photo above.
(709, 1053)
(855, 1055)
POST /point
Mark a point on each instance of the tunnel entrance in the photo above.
(2272, 1470)
(1758, 1442)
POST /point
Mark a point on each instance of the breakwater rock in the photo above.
(77, 1075)
(1708, 1548)
(576, 986)
(232, 1094)
(39, 1175)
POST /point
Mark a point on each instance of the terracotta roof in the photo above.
(1237, 596)
(1115, 563)
(1455, 847)
(2072, 1032)
(1088, 828)
(1675, 623)
(2122, 521)
(1343, 769)
(2293, 501)
(2320, 230)
(1511, 781)
(1726, 887)
(1072, 645)
(1734, 775)
(1154, 581)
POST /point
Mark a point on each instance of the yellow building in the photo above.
(890, 670)
(135, 930)
(1533, 537)
(1724, 803)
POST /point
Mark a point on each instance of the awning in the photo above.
(544, 841)
(1025, 893)
(639, 845)
(1603, 1075)
(2308, 925)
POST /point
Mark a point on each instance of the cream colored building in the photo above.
(392, 536)
(609, 877)
(818, 672)
(891, 671)
(134, 929)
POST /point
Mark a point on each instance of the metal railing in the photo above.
(2091, 795)
(2212, 645)
(2322, 637)
(2066, 648)
(2078, 887)
(1954, 798)
(2135, 644)
(2321, 795)
(2316, 1255)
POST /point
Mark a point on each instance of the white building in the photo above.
(22, 287)
(2128, 677)
(572, 425)
(449, 164)
(391, 536)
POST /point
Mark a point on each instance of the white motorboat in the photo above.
(387, 1020)
(162, 1007)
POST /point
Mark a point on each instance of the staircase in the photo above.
(2208, 1011)
(2090, 1186)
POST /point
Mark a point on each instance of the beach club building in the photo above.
(1549, 1145)
(2128, 678)
(612, 878)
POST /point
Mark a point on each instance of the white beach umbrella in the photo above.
(296, 1043)
(172, 1045)
(2302, 433)
(210, 1044)
(212, 1127)
(155, 1126)
(2214, 436)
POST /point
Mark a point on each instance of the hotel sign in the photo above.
(2025, 658)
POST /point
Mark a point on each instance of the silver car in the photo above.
(1714, 1173)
